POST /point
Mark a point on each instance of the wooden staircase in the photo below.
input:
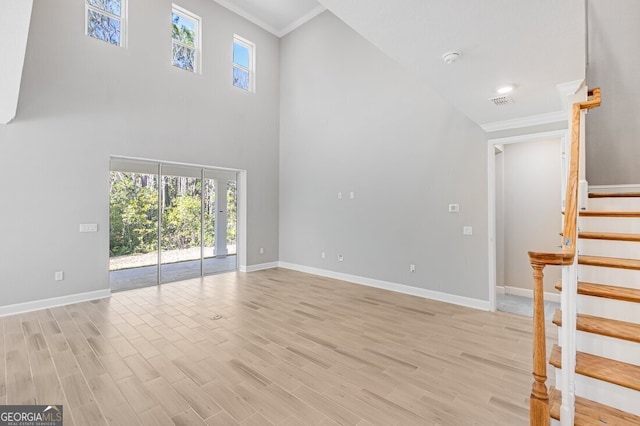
(597, 369)
(608, 319)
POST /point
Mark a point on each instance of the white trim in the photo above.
(614, 188)
(527, 292)
(301, 20)
(174, 163)
(278, 32)
(197, 46)
(532, 120)
(241, 226)
(20, 308)
(568, 89)
(398, 288)
(251, 69)
(248, 16)
(259, 267)
(491, 195)
(123, 19)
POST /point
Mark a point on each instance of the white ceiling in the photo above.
(535, 45)
(532, 44)
(276, 16)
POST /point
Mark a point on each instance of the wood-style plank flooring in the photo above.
(290, 349)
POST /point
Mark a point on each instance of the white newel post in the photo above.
(221, 218)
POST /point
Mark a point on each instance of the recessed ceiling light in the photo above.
(503, 90)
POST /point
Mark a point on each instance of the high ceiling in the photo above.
(276, 16)
(535, 45)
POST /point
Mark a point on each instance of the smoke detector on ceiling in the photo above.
(451, 57)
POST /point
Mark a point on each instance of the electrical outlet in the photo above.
(412, 268)
(340, 258)
(467, 230)
(323, 255)
(352, 195)
(339, 195)
(261, 250)
(58, 276)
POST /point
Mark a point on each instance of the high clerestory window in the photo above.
(243, 64)
(105, 20)
(185, 39)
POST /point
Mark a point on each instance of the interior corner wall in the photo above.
(83, 100)
(353, 120)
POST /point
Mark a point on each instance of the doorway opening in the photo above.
(170, 222)
(526, 194)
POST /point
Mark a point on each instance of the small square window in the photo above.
(243, 64)
(105, 20)
(185, 39)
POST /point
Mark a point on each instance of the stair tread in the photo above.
(603, 326)
(613, 236)
(590, 413)
(606, 291)
(604, 213)
(614, 194)
(597, 367)
(609, 262)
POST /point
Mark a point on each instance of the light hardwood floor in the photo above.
(290, 349)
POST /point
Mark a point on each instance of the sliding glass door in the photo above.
(169, 222)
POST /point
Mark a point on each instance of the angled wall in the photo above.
(15, 17)
(353, 120)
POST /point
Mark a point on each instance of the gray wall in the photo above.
(354, 120)
(613, 130)
(83, 100)
(532, 206)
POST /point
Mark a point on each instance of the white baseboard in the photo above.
(398, 288)
(20, 308)
(258, 267)
(614, 188)
(526, 292)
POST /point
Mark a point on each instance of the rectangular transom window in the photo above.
(105, 20)
(185, 39)
(243, 64)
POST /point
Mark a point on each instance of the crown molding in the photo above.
(278, 32)
(531, 120)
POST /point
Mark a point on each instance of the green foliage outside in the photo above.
(133, 213)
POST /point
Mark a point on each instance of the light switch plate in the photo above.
(88, 227)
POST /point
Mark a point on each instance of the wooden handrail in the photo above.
(539, 400)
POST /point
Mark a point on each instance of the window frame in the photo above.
(252, 62)
(197, 45)
(123, 19)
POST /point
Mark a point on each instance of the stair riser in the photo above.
(619, 397)
(623, 249)
(614, 204)
(608, 347)
(612, 276)
(608, 308)
(629, 225)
